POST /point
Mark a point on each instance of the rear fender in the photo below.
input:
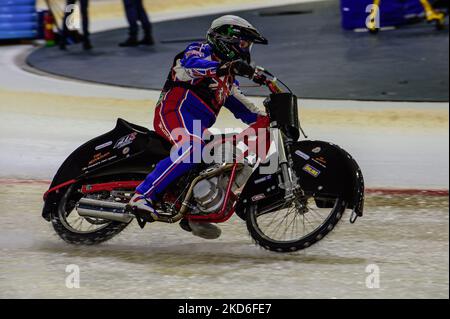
(52, 197)
(127, 145)
(128, 150)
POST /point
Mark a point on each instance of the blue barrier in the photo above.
(392, 12)
(5, 26)
(18, 19)
(17, 3)
(17, 9)
(30, 34)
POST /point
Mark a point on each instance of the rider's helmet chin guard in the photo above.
(232, 38)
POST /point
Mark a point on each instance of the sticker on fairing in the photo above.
(99, 147)
(302, 155)
(321, 161)
(258, 197)
(262, 179)
(125, 140)
(311, 170)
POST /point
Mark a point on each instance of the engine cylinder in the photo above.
(209, 195)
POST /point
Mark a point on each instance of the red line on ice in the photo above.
(369, 191)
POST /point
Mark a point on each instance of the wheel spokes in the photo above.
(282, 224)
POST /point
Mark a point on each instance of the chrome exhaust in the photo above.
(88, 207)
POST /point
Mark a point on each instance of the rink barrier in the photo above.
(17, 3)
(17, 10)
(18, 34)
(18, 19)
(7, 26)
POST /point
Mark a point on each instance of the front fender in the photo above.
(323, 169)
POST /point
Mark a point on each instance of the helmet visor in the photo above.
(253, 35)
(245, 45)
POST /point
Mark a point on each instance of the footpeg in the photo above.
(142, 217)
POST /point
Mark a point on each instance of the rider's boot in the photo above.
(201, 229)
(139, 204)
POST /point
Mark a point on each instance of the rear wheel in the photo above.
(75, 229)
(294, 225)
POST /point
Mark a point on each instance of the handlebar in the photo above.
(257, 74)
(264, 77)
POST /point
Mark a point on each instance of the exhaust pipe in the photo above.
(94, 208)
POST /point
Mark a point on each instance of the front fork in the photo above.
(288, 178)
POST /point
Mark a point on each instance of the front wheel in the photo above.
(294, 225)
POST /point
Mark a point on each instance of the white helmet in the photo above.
(226, 36)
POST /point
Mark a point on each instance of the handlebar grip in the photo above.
(242, 68)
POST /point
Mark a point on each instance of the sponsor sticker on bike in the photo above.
(263, 179)
(125, 140)
(321, 161)
(302, 155)
(258, 197)
(99, 147)
(311, 170)
(98, 159)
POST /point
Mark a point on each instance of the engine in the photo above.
(209, 193)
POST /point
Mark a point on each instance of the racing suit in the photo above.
(195, 89)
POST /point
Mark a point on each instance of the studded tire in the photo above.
(304, 242)
(70, 236)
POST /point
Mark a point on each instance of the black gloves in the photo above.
(242, 68)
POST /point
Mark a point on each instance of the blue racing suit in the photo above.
(197, 86)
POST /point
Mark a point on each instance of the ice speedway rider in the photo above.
(200, 82)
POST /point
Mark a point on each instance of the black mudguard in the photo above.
(324, 169)
(128, 150)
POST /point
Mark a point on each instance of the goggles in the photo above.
(245, 45)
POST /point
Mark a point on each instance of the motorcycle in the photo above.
(294, 206)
